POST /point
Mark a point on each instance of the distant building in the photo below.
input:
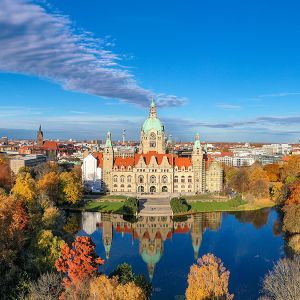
(26, 161)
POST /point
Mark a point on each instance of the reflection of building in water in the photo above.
(153, 231)
(89, 221)
(107, 233)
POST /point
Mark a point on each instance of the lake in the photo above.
(163, 249)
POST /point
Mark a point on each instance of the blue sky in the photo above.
(229, 70)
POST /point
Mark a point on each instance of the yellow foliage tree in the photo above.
(71, 187)
(292, 167)
(25, 187)
(208, 280)
(104, 288)
(49, 185)
(50, 247)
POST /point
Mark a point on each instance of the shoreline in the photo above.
(116, 207)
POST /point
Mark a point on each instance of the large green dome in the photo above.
(152, 123)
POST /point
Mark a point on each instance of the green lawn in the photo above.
(231, 205)
(104, 206)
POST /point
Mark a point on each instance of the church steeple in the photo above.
(40, 137)
(153, 113)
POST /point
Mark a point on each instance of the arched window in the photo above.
(164, 189)
(182, 179)
(115, 178)
(141, 189)
(190, 179)
(122, 178)
(152, 189)
(141, 179)
(122, 185)
(176, 179)
(164, 179)
(152, 141)
(129, 179)
(152, 179)
(115, 185)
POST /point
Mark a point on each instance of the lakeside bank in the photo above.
(115, 204)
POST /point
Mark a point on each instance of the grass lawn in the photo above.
(104, 206)
(231, 205)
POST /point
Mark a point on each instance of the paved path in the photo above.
(155, 207)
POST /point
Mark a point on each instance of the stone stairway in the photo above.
(155, 207)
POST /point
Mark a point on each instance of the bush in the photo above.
(179, 205)
(131, 206)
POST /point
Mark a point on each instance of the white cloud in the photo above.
(36, 42)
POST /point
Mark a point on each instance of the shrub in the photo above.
(131, 206)
(179, 205)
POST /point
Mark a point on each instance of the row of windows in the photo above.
(183, 169)
(183, 179)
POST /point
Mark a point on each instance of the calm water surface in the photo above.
(164, 249)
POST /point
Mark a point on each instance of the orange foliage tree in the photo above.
(291, 168)
(208, 280)
(273, 172)
(294, 197)
(6, 176)
(13, 221)
(79, 262)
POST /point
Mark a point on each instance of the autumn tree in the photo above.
(103, 287)
(240, 181)
(291, 168)
(49, 184)
(208, 280)
(273, 172)
(25, 187)
(6, 175)
(71, 186)
(283, 282)
(13, 224)
(291, 220)
(47, 287)
(78, 262)
(294, 195)
(49, 249)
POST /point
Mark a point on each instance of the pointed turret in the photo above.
(153, 113)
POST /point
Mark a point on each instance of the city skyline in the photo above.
(80, 70)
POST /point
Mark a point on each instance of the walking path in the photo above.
(155, 207)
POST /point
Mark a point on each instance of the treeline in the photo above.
(39, 258)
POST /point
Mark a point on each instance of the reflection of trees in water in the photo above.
(257, 218)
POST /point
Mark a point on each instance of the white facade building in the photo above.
(92, 174)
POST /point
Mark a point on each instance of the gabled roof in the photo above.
(183, 162)
(50, 145)
(125, 162)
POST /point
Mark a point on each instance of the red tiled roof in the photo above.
(99, 157)
(183, 162)
(125, 162)
(148, 156)
(50, 145)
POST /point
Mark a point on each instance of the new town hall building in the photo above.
(153, 169)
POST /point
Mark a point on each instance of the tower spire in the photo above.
(153, 113)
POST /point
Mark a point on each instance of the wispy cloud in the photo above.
(285, 94)
(228, 106)
(36, 42)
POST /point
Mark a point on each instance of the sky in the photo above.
(229, 70)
